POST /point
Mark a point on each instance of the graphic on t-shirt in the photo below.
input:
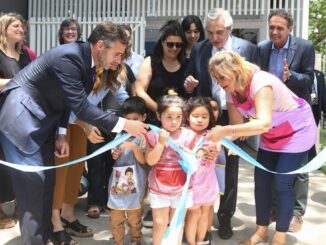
(123, 181)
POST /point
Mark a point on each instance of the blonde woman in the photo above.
(287, 128)
(12, 59)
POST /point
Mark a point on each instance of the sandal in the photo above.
(93, 212)
(63, 238)
(255, 239)
(75, 228)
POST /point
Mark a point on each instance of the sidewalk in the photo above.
(243, 221)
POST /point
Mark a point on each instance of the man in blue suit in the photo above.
(37, 101)
(218, 24)
(292, 59)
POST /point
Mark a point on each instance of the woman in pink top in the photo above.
(287, 129)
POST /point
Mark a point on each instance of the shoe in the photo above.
(255, 239)
(63, 238)
(93, 212)
(148, 219)
(296, 223)
(208, 238)
(225, 231)
(7, 222)
(75, 228)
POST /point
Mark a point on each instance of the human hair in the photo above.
(129, 169)
(108, 32)
(167, 101)
(134, 104)
(5, 21)
(170, 28)
(66, 23)
(232, 66)
(283, 14)
(216, 14)
(199, 101)
(193, 19)
(127, 28)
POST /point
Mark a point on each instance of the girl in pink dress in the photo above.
(166, 177)
(204, 186)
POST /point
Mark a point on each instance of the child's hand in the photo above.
(163, 137)
(116, 153)
(213, 150)
(127, 145)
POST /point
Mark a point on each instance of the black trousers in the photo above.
(228, 201)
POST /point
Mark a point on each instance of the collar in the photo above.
(286, 46)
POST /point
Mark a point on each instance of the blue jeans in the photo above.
(33, 192)
(283, 184)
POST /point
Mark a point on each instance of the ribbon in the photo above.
(26, 168)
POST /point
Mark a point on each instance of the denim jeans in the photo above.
(283, 184)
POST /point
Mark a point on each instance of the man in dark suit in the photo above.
(318, 102)
(218, 24)
(292, 59)
(38, 100)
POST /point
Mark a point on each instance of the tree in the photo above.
(317, 25)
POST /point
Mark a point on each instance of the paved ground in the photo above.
(243, 221)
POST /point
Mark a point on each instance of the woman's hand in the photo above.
(215, 134)
(93, 134)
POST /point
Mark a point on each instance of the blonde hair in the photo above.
(5, 21)
(232, 66)
(110, 79)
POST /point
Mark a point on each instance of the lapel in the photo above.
(89, 72)
(266, 55)
(235, 45)
(207, 52)
(291, 50)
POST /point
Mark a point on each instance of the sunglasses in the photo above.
(172, 44)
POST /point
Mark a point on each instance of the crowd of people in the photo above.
(79, 95)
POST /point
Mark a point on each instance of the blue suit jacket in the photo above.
(301, 61)
(41, 95)
(201, 53)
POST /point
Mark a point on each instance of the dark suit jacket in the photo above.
(35, 100)
(301, 61)
(201, 53)
(321, 90)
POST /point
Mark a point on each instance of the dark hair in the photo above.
(134, 104)
(129, 169)
(108, 32)
(170, 28)
(167, 101)
(193, 19)
(65, 23)
(282, 13)
(199, 101)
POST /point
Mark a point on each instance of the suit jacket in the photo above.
(199, 58)
(39, 96)
(301, 61)
(321, 90)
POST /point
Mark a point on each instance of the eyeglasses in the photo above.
(73, 29)
(172, 44)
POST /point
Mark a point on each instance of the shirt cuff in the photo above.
(62, 131)
(119, 126)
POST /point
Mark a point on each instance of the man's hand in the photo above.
(61, 146)
(93, 134)
(286, 71)
(135, 128)
(190, 84)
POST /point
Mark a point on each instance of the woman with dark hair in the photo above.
(69, 31)
(164, 68)
(193, 30)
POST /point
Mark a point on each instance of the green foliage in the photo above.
(317, 25)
